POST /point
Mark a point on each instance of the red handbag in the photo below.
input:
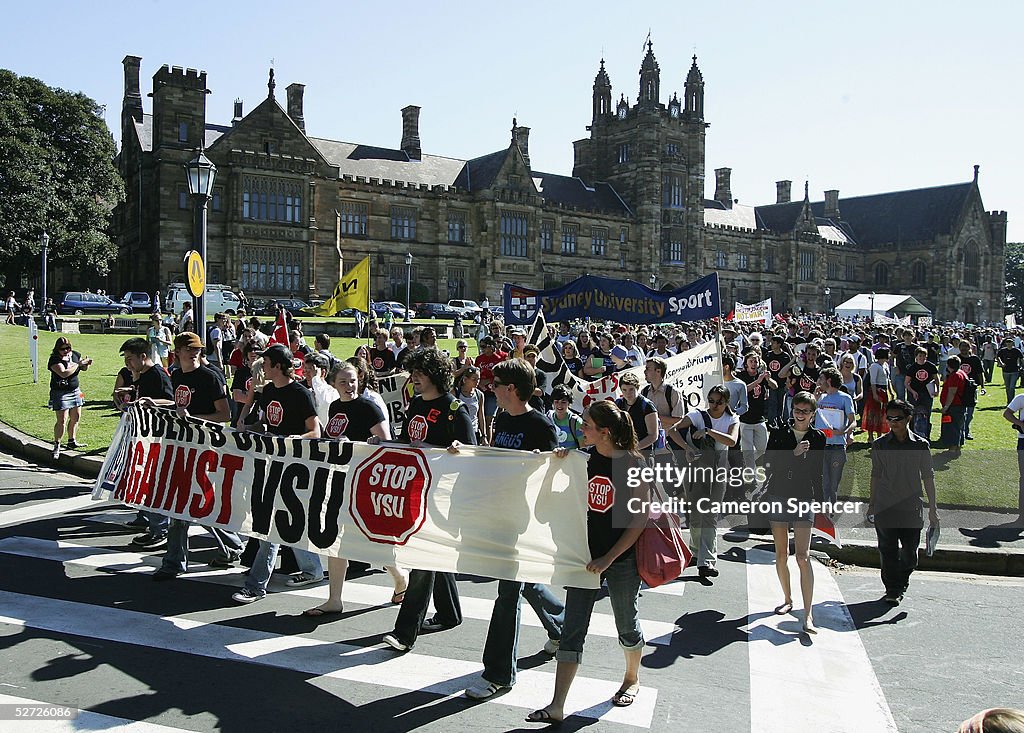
(661, 552)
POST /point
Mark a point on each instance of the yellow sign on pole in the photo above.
(195, 271)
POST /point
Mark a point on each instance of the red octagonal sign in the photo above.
(388, 496)
(600, 494)
(337, 425)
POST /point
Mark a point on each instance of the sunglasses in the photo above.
(716, 402)
(895, 418)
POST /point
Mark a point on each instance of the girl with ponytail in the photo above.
(616, 517)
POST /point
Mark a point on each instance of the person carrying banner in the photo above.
(795, 461)
(612, 536)
(353, 416)
(713, 432)
(434, 418)
(150, 380)
(199, 392)
(286, 408)
(520, 427)
(901, 466)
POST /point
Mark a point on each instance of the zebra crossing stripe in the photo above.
(300, 653)
(658, 633)
(41, 510)
(824, 684)
(83, 720)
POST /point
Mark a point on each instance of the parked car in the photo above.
(397, 309)
(138, 302)
(292, 305)
(468, 308)
(436, 310)
(217, 298)
(79, 303)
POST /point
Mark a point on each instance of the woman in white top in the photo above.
(714, 431)
(159, 337)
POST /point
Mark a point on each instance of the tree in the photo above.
(1015, 278)
(57, 175)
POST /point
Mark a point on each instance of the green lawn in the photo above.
(985, 474)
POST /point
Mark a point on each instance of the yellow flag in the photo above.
(352, 291)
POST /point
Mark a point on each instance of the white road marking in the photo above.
(658, 633)
(828, 685)
(367, 665)
(41, 510)
(83, 720)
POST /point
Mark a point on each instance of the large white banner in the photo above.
(757, 312)
(692, 373)
(490, 512)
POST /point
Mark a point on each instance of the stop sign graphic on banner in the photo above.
(182, 396)
(336, 425)
(388, 498)
(275, 413)
(600, 494)
(417, 428)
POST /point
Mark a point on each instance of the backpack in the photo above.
(574, 421)
(646, 392)
(970, 391)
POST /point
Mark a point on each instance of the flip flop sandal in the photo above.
(398, 596)
(318, 612)
(625, 698)
(542, 716)
(783, 609)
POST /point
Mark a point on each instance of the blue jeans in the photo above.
(422, 585)
(263, 566)
(500, 650)
(774, 409)
(158, 523)
(968, 417)
(624, 594)
(922, 418)
(175, 560)
(899, 385)
(1010, 380)
(832, 474)
(897, 552)
(953, 431)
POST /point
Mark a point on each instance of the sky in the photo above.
(861, 97)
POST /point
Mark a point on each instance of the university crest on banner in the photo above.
(523, 303)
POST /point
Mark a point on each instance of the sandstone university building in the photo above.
(288, 206)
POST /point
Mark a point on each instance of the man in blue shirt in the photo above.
(836, 417)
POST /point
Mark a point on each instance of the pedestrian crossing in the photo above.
(827, 681)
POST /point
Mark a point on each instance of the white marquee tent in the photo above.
(893, 306)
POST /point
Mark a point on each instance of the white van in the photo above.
(219, 298)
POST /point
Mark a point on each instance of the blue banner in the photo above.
(623, 301)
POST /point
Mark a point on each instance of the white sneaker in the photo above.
(551, 646)
(246, 596)
(392, 641)
(301, 579)
(483, 690)
(56, 450)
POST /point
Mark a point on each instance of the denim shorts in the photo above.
(65, 400)
(785, 515)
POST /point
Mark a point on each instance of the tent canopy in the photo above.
(890, 305)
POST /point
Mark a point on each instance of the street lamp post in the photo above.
(408, 284)
(828, 300)
(654, 281)
(201, 174)
(978, 314)
(872, 297)
(46, 243)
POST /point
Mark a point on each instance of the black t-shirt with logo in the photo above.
(774, 362)
(286, 409)
(199, 390)
(437, 422)
(154, 383)
(920, 375)
(242, 379)
(808, 379)
(757, 399)
(607, 502)
(382, 360)
(533, 430)
(973, 368)
(354, 418)
(63, 385)
(904, 354)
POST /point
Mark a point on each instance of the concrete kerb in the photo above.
(41, 452)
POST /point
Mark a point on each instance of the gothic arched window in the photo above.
(972, 265)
